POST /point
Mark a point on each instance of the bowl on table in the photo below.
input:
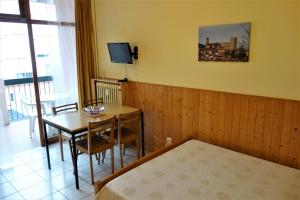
(94, 111)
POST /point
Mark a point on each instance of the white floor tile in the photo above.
(29, 152)
(99, 170)
(117, 164)
(41, 164)
(55, 196)
(106, 164)
(97, 176)
(56, 170)
(15, 196)
(2, 179)
(38, 191)
(10, 162)
(101, 175)
(83, 159)
(30, 156)
(6, 189)
(89, 197)
(63, 180)
(72, 193)
(26, 181)
(96, 168)
(17, 172)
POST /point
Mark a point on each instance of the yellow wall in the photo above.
(298, 33)
(166, 32)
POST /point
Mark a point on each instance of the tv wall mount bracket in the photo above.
(135, 53)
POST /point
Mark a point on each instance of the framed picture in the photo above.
(228, 42)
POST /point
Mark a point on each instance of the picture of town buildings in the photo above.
(224, 43)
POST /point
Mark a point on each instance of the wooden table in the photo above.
(77, 122)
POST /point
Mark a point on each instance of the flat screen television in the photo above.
(120, 52)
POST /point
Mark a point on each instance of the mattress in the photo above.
(197, 170)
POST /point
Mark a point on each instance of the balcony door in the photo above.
(37, 57)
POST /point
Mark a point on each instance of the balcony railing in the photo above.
(15, 89)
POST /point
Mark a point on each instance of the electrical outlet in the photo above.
(169, 141)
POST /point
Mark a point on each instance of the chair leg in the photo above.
(138, 148)
(123, 149)
(91, 169)
(103, 156)
(33, 123)
(112, 159)
(71, 151)
(30, 126)
(98, 158)
(61, 145)
(121, 155)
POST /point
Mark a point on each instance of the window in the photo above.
(43, 10)
(47, 59)
(9, 7)
(15, 51)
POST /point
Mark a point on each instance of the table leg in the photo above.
(47, 145)
(143, 136)
(75, 161)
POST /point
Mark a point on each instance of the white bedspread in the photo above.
(197, 170)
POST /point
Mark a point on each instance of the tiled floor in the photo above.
(14, 138)
(26, 176)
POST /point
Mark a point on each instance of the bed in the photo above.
(198, 170)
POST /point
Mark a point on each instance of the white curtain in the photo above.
(61, 49)
(65, 78)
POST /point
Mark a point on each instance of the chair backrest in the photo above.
(66, 107)
(29, 106)
(100, 127)
(93, 102)
(130, 121)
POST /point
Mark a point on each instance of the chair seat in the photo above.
(98, 144)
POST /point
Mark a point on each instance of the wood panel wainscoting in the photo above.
(263, 127)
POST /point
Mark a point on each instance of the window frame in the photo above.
(25, 16)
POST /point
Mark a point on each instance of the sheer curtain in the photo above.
(65, 76)
(58, 45)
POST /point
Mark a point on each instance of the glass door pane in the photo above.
(56, 63)
(9, 7)
(53, 10)
(15, 68)
(43, 9)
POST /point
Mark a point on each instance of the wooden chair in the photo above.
(62, 135)
(96, 102)
(129, 129)
(96, 143)
(93, 102)
(66, 107)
